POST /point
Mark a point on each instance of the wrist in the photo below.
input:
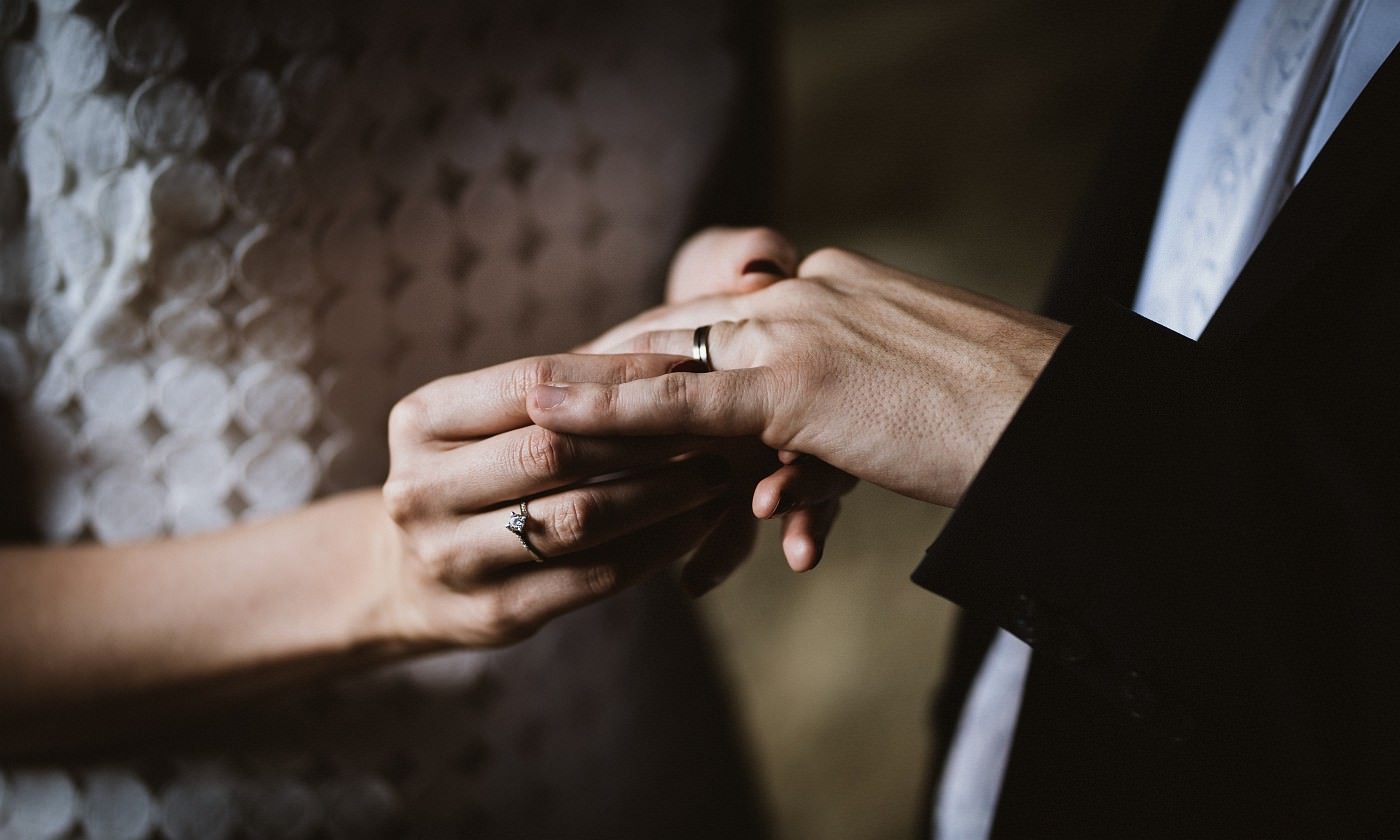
(397, 617)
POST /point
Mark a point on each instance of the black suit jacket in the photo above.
(1201, 539)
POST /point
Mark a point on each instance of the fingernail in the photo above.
(714, 470)
(763, 267)
(550, 396)
(688, 366)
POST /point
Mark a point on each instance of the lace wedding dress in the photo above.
(231, 235)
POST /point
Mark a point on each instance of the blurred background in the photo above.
(951, 138)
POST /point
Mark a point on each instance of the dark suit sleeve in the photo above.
(1205, 543)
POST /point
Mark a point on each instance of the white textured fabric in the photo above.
(231, 235)
(1255, 111)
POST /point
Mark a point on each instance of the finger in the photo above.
(721, 552)
(560, 524)
(729, 403)
(682, 316)
(730, 261)
(527, 462)
(799, 484)
(492, 400)
(804, 534)
(534, 593)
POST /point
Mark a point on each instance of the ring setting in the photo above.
(516, 525)
(700, 346)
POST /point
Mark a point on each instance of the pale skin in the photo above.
(97, 642)
(895, 379)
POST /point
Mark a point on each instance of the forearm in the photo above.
(93, 634)
(1192, 538)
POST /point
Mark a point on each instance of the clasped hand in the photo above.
(603, 511)
(849, 368)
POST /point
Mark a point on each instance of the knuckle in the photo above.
(649, 342)
(634, 368)
(526, 375)
(404, 498)
(823, 261)
(409, 418)
(500, 619)
(605, 402)
(675, 390)
(572, 517)
(542, 454)
(602, 579)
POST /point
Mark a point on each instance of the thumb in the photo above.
(730, 261)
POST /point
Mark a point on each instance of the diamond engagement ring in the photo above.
(516, 525)
(700, 346)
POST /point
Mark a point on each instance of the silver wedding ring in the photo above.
(516, 525)
(700, 346)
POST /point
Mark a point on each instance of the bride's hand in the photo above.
(463, 456)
